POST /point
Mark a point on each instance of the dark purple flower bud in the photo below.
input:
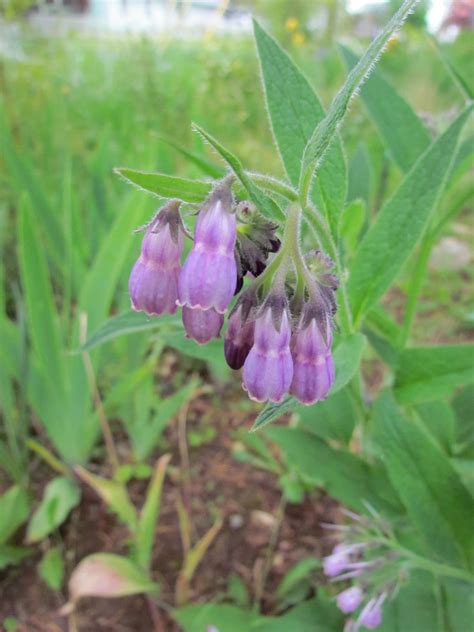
(350, 599)
(371, 615)
(268, 369)
(153, 283)
(202, 324)
(238, 338)
(209, 276)
(313, 363)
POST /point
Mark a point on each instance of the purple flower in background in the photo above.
(312, 357)
(208, 278)
(350, 599)
(371, 615)
(202, 324)
(268, 369)
(153, 283)
(336, 563)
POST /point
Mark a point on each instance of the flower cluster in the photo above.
(368, 559)
(280, 328)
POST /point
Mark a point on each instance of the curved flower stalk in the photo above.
(153, 283)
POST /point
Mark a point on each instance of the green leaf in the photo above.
(403, 133)
(114, 495)
(429, 373)
(51, 568)
(14, 510)
(439, 420)
(43, 322)
(225, 618)
(263, 202)
(165, 186)
(207, 167)
(315, 615)
(299, 571)
(326, 130)
(401, 222)
(107, 575)
(331, 419)
(353, 219)
(462, 405)
(360, 175)
(145, 533)
(347, 356)
(436, 501)
(294, 111)
(11, 555)
(343, 475)
(128, 323)
(60, 497)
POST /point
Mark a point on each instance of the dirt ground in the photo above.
(210, 482)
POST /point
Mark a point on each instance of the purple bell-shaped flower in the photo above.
(313, 362)
(153, 283)
(268, 369)
(350, 599)
(371, 615)
(208, 278)
(202, 324)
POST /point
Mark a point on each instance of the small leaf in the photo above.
(429, 373)
(14, 510)
(114, 494)
(11, 555)
(107, 575)
(51, 568)
(401, 222)
(60, 497)
(263, 202)
(165, 186)
(148, 518)
(299, 571)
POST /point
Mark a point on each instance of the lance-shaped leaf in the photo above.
(294, 111)
(347, 356)
(263, 202)
(404, 134)
(107, 575)
(165, 186)
(14, 510)
(401, 222)
(326, 131)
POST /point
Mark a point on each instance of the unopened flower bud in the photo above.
(238, 339)
(313, 363)
(335, 563)
(268, 369)
(202, 324)
(371, 615)
(209, 276)
(350, 599)
(153, 283)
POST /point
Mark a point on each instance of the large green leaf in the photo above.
(429, 373)
(343, 475)
(401, 222)
(404, 134)
(332, 419)
(436, 501)
(347, 356)
(325, 132)
(294, 111)
(225, 618)
(14, 510)
(315, 615)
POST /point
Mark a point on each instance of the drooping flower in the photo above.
(350, 599)
(202, 324)
(239, 336)
(371, 615)
(209, 276)
(312, 358)
(153, 283)
(268, 369)
(336, 563)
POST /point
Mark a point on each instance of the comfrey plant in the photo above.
(280, 327)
